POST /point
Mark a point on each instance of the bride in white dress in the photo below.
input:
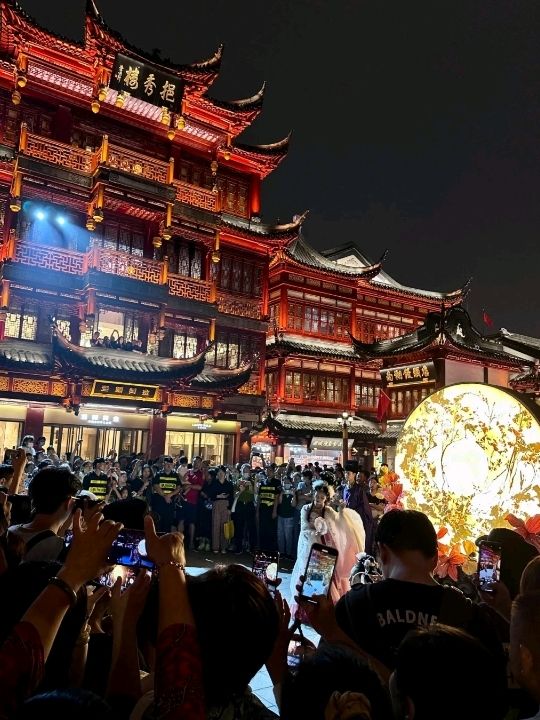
(343, 530)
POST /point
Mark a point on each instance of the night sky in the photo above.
(416, 125)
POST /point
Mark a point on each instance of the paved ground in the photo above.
(198, 562)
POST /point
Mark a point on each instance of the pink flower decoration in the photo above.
(394, 495)
(528, 529)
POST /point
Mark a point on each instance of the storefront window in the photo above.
(10, 435)
(91, 442)
(216, 447)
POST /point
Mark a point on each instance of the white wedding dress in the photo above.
(343, 530)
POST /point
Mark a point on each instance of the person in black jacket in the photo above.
(221, 492)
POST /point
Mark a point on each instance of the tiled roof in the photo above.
(304, 254)
(313, 423)
(392, 432)
(24, 352)
(120, 364)
(221, 378)
(525, 341)
(290, 343)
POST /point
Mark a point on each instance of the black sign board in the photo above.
(130, 391)
(409, 374)
(146, 83)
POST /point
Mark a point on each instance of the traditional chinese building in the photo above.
(129, 207)
(444, 350)
(343, 331)
(318, 302)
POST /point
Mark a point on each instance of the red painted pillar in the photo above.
(156, 444)
(255, 196)
(33, 425)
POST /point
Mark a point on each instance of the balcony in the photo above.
(87, 161)
(58, 153)
(196, 196)
(49, 258)
(239, 306)
(124, 264)
(185, 287)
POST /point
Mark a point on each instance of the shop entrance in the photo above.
(92, 442)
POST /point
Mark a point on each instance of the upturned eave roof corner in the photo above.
(249, 104)
(98, 33)
(280, 147)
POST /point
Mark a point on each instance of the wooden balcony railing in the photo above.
(181, 286)
(49, 258)
(86, 161)
(196, 196)
(127, 265)
(57, 153)
(236, 305)
(137, 164)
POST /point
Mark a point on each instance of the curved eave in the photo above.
(34, 28)
(244, 105)
(219, 380)
(486, 352)
(305, 424)
(287, 348)
(388, 348)
(280, 147)
(365, 273)
(121, 365)
(455, 297)
(285, 232)
(97, 27)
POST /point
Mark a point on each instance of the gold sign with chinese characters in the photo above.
(126, 391)
(409, 375)
(147, 83)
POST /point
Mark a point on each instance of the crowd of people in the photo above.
(395, 643)
(115, 341)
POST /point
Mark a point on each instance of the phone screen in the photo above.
(489, 565)
(319, 571)
(295, 653)
(129, 549)
(266, 567)
(128, 575)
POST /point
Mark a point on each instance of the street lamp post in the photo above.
(345, 421)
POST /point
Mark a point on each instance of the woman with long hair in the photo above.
(342, 529)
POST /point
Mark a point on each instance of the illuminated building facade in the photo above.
(128, 209)
(319, 302)
(343, 331)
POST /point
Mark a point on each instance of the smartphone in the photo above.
(128, 575)
(295, 652)
(129, 549)
(319, 571)
(266, 567)
(489, 564)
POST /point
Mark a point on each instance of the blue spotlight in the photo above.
(60, 219)
(40, 215)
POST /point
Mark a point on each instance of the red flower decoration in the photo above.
(441, 547)
(448, 564)
(528, 529)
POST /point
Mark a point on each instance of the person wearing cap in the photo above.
(166, 489)
(97, 481)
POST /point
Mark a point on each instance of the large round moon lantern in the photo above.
(467, 456)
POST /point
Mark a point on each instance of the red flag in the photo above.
(487, 319)
(383, 406)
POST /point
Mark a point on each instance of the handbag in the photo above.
(228, 530)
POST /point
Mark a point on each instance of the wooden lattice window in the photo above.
(184, 345)
(22, 323)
